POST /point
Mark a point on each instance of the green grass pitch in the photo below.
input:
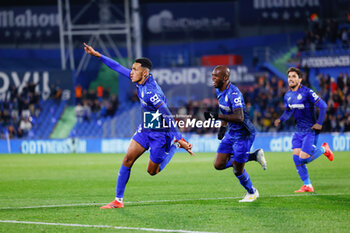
(189, 195)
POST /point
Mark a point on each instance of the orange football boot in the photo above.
(328, 153)
(113, 204)
(305, 189)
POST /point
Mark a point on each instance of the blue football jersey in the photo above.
(302, 104)
(229, 100)
(150, 94)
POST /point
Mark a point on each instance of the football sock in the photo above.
(317, 152)
(123, 177)
(167, 159)
(245, 181)
(302, 170)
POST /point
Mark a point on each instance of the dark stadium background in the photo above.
(41, 112)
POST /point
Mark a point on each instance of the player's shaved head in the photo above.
(220, 76)
(223, 71)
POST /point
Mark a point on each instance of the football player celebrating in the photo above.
(235, 146)
(152, 99)
(300, 102)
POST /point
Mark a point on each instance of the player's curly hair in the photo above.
(145, 62)
(296, 70)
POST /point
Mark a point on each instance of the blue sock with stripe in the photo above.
(169, 156)
(245, 181)
(123, 177)
(317, 152)
(302, 170)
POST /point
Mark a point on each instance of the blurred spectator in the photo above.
(324, 34)
(79, 112)
(106, 93)
(25, 125)
(86, 111)
(11, 132)
(78, 93)
(344, 37)
(112, 105)
(100, 92)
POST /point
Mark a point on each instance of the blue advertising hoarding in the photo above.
(270, 142)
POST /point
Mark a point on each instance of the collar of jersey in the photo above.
(297, 89)
(144, 81)
(224, 91)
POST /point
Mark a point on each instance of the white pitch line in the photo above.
(179, 200)
(101, 226)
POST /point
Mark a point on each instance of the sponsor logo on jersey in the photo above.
(298, 106)
(143, 102)
(237, 101)
(226, 108)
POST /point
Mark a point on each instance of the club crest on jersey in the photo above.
(299, 97)
(226, 99)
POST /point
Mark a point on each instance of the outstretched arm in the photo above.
(108, 61)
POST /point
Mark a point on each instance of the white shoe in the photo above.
(260, 157)
(250, 197)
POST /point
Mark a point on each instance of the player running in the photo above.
(300, 102)
(152, 100)
(234, 148)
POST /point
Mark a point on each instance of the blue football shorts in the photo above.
(306, 141)
(239, 147)
(158, 141)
